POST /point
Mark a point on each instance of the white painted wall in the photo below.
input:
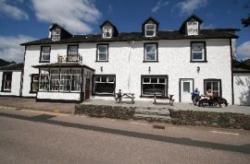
(15, 84)
(59, 96)
(242, 88)
(126, 62)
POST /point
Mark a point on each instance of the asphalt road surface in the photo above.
(35, 137)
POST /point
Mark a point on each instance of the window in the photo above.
(44, 80)
(150, 30)
(45, 54)
(192, 28)
(154, 85)
(54, 79)
(214, 85)
(6, 83)
(104, 84)
(34, 83)
(56, 34)
(76, 80)
(102, 53)
(186, 87)
(150, 52)
(107, 32)
(198, 52)
(64, 80)
(72, 53)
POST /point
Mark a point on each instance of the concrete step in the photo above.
(152, 118)
(147, 111)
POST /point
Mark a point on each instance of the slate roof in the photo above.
(138, 36)
(12, 67)
(55, 65)
(241, 70)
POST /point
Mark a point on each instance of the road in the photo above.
(35, 137)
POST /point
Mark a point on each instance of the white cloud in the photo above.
(243, 50)
(159, 5)
(74, 15)
(189, 6)
(12, 11)
(10, 48)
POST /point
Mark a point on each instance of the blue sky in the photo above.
(24, 20)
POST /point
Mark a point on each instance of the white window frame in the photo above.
(146, 29)
(146, 53)
(157, 82)
(218, 81)
(193, 28)
(203, 52)
(98, 79)
(56, 34)
(105, 30)
(43, 81)
(106, 53)
(54, 78)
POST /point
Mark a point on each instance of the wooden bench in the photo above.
(169, 98)
(120, 96)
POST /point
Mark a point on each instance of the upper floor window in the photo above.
(56, 34)
(192, 28)
(150, 52)
(72, 53)
(107, 32)
(102, 53)
(198, 52)
(72, 50)
(45, 54)
(150, 30)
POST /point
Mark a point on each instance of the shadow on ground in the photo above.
(44, 118)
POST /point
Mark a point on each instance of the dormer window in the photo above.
(150, 27)
(56, 34)
(150, 30)
(192, 28)
(107, 32)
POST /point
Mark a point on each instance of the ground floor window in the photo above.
(6, 82)
(64, 80)
(151, 85)
(214, 85)
(104, 84)
(34, 83)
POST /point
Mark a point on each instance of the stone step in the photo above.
(158, 112)
(152, 118)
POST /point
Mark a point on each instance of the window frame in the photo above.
(109, 29)
(145, 53)
(158, 82)
(204, 59)
(188, 28)
(103, 75)
(67, 58)
(31, 82)
(213, 80)
(56, 37)
(78, 73)
(97, 53)
(3, 89)
(41, 54)
(146, 30)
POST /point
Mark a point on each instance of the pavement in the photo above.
(38, 137)
(30, 103)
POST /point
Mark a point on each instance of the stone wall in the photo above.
(117, 112)
(215, 119)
